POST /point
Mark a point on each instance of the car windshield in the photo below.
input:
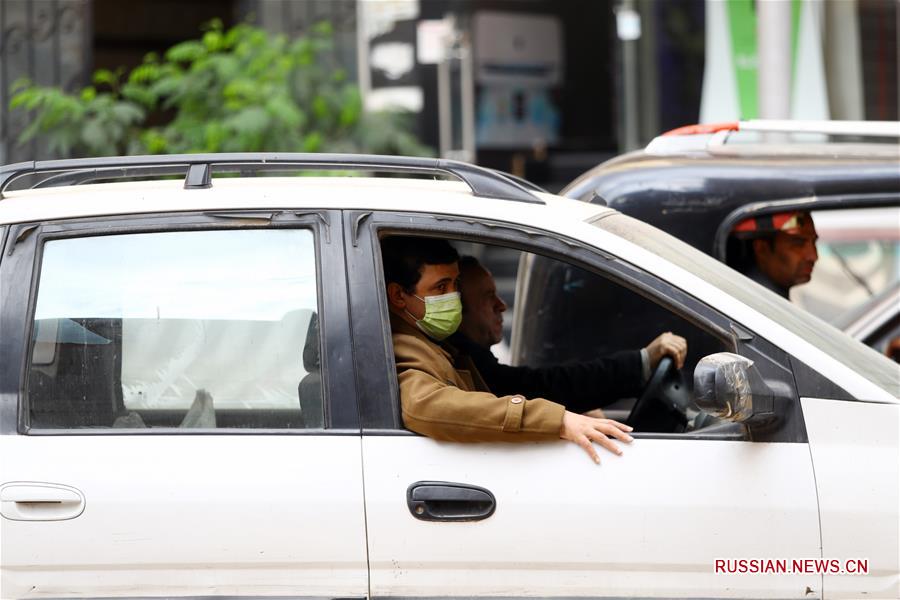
(862, 359)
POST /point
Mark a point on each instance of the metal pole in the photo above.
(773, 34)
(467, 97)
(445, 126)
(649, 120)
(445, 122)
(628, 32)
(843, 61)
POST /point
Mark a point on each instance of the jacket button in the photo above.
(517, 399)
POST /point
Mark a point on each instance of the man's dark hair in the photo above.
(404, 257)
(468, 261)
(739, 253)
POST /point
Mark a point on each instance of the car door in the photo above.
(856, 459)
(178, 409)
(672, 517)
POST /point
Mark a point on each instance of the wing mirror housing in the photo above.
(730, 387)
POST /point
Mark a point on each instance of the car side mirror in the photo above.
(730, 387)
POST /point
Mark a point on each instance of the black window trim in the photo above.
(16, 266)
(379, 418)
(4, 231)
(339, 392)
(817, 204)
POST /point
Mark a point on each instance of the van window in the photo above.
(193, 329)
(859, 258)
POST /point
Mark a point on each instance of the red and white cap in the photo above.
(763, 225)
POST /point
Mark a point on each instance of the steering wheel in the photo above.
(663, 404)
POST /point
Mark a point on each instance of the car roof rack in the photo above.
(710, 136)
(197, 170)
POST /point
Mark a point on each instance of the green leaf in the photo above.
(94, 135)
(146, 73)
(352, 108)
(226, 66)
(166, 86)
(214, 24)
(127, 113)
(105, 77)
(154, 142)
(320, 107)
(313, 142)
(186, 52)
(20, 84)
(216, 134)
(213, 40)
(20, 99)
(250, 120)
(323, 28)
(238, 89)
(283, 109)
(139, 95)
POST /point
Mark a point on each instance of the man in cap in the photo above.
(778, 250)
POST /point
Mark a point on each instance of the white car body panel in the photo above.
(300, 515)
(448, 197)
(857, 465)
(189, 515)
(648, 524)
(561, 216)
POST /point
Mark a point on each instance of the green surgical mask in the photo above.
(443, 315)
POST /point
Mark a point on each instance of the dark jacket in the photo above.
(762, 279)
(579, 387)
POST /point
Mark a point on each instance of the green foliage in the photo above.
(236, 90)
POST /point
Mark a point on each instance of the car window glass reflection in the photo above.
(202, 329)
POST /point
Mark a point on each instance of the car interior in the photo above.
(128, 373)
(561, 313)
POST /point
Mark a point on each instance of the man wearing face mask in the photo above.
(442, 395)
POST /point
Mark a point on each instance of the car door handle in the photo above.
(25, 501)
(446, 501)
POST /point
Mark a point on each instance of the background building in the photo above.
(543, 88)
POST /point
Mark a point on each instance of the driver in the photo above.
(777, 251)
(580, 387)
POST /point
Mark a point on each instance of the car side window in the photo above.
(859, 258)
(561, 331)
(565, 314)
(184, 329)
(572, 314)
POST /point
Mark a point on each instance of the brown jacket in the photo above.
(443, 396)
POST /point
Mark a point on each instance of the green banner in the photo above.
(744, 54)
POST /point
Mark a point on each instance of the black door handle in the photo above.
(445, 501)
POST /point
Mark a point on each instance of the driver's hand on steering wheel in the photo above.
(667, 344)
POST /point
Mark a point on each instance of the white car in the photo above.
(198, 398)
